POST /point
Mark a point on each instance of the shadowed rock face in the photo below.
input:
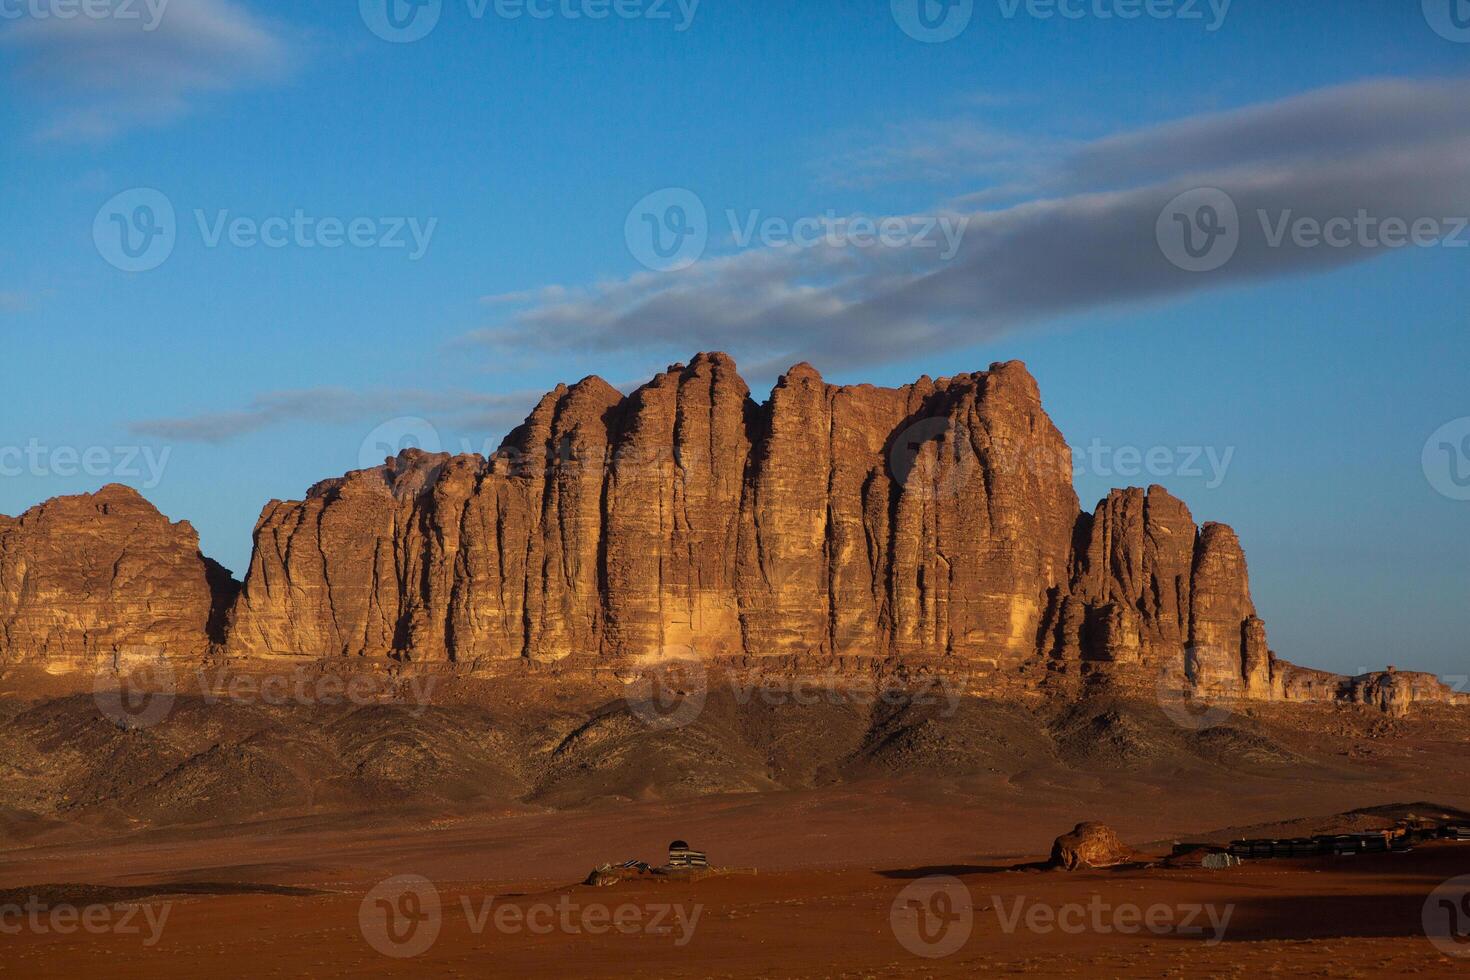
(86, 579)
(932, 521)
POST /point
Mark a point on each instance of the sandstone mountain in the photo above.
(86, 579)
(931, 523)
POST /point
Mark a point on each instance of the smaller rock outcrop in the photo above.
(88, 578)
(1393, 690)
(1089, 845)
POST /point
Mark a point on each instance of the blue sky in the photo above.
(517, 146)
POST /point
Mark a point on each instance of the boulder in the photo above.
(1089, 845)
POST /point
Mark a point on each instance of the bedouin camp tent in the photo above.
(681, 855)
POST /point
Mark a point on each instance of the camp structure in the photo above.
(682, 856)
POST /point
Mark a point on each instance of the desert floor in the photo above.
(817, 889)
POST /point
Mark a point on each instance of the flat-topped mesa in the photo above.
(87, 580)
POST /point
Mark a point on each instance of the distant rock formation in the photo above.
(932, 522)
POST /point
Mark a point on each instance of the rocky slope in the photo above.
(482, 742)
(935, 522)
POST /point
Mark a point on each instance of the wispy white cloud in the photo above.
(144, 64)
(343, 406)
(1081, 234)
(546, 294)
(932, 151)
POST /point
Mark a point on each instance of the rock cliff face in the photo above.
(929, 520)
(86, 579)
(1151, 588)
(934, 522)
